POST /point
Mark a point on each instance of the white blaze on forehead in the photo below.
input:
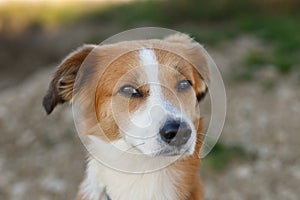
(154, 106)
(146, 121)
(150, 64)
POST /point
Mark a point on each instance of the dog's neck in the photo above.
(102, 181)
(175, 181)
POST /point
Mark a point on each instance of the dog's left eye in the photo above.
(183, 85)
(130, 91)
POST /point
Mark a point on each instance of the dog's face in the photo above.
(153, 101)
(146, 97)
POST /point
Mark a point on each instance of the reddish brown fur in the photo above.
(61, 86)
(107, 89)
(190, 187)
(95, 95)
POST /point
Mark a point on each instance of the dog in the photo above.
(145, 97)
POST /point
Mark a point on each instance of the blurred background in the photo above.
(256, 45)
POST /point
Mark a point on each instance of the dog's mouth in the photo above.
(165, 151)
(172, 151)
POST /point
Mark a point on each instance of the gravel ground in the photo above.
(41, 156)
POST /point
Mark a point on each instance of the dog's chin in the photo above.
(171, 151)
(162, 150)
(166, 152)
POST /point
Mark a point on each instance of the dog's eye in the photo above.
(130, 91)
(183, 85)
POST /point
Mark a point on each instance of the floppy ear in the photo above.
(61, 87)
(200, 87)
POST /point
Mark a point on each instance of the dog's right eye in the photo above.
(130, 91)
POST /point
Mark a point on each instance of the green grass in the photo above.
(222, 155)
(255, 59)
(213, 22)
(19, 17)
(282, 33)
(274, 22)
(213, 36)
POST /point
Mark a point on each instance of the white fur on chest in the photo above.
(157, 185)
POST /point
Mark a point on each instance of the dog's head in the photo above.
(144, 93)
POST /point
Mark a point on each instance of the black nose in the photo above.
(175, 133)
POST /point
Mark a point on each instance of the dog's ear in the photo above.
(61, 87)
(200, 86)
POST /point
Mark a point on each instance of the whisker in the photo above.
(202, 143)
(198, 154)
(205, 135)
(134, 146)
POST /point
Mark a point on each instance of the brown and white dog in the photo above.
(156, 87)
